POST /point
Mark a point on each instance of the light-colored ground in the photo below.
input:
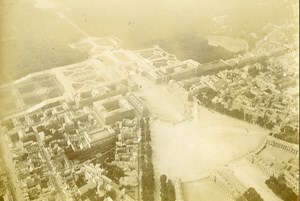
(190, 149)
(205, 190)
(251, 176)
(93, 45)
(161, 103)
(271, 153)
(229, 43)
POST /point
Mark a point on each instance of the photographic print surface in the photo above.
(138, 100)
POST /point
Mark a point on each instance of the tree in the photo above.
(142, 123)
(260, 121)
(270, 125)
(253, 71)
(148, 137)
(252, 195)
(148, 150)
(170, 191)
(281, 178)
(147, 178)
(112, 194)
(147, 120)
(241, 198)
(280, 188)
(147, 195)
(163, 179)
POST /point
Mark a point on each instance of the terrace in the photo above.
(29, 91)
(157, 57)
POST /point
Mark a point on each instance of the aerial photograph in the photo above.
(149, 100)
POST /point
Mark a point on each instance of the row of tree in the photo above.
(147, 179)
(205, 99)
(167, 190)
(288, 134)
(279, 187)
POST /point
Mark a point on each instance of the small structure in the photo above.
(137, 104)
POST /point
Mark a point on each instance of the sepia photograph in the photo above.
(149, 100)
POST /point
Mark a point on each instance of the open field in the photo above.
(229, 43)
(204, 190)
(161, 103)
(191, 148)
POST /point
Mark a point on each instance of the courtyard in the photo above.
(189, 141)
